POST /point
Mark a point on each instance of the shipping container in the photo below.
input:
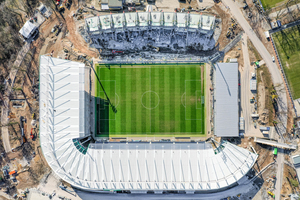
(242, 123)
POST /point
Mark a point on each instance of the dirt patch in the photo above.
(290, 183)
(235, 52)
(287, 65)
(218, 9)
(266, 109)
(189, 3)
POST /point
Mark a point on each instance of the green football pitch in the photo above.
(150, 100)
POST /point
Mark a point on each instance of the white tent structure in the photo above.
(136, 166)
(28, 30)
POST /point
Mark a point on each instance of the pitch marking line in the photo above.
(186, 101)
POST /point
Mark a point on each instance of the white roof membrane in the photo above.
(226, 100)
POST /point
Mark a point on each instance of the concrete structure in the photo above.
(136, 31)
(275, 144)
(226, 108)
(138, 167)
(115, 4)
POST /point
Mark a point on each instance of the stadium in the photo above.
(139, 128)
(142, 31)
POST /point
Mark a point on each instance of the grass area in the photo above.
(267, 80)
(157, 100)
(254, 50)
(267, 4)
(288, 46)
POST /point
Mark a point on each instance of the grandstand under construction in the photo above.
(151, 31)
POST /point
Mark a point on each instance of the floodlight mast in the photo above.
(91, 64)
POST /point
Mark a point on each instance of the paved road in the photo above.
(9, 86)
(277, 80)
(246, 188)
(245, 85)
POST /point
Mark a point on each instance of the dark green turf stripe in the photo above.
(166, 100)
(182, 108)
(172, 99)
(123, 99)
(162, 97)
(193, 91)
(155, 81)
(133, 100)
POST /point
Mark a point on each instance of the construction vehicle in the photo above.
(228, 34)
(12, 172)
(68, 4)
(61, 8)
(232, 20)
(271, 193)
(22, 119)
(154, 48)
(131, 9)
(33, 116)
(31, 134)
(234, 25)
(114, 51)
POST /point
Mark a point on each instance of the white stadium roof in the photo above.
(226, 108)
(135, 166)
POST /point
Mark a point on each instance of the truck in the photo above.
(262, 128)
(279, 23)
(267, 34)
(275, 151)
(242, 124)
(253, 84)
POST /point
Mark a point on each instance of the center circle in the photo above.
(150, 100)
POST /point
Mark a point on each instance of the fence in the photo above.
(283, 74)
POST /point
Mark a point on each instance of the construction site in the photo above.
(50, 100)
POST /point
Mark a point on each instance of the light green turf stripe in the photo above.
(166, 100)
(178, 101)
(112, 96)
(157, 89)
(148, 111)
(138, 100)
(187, 103)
